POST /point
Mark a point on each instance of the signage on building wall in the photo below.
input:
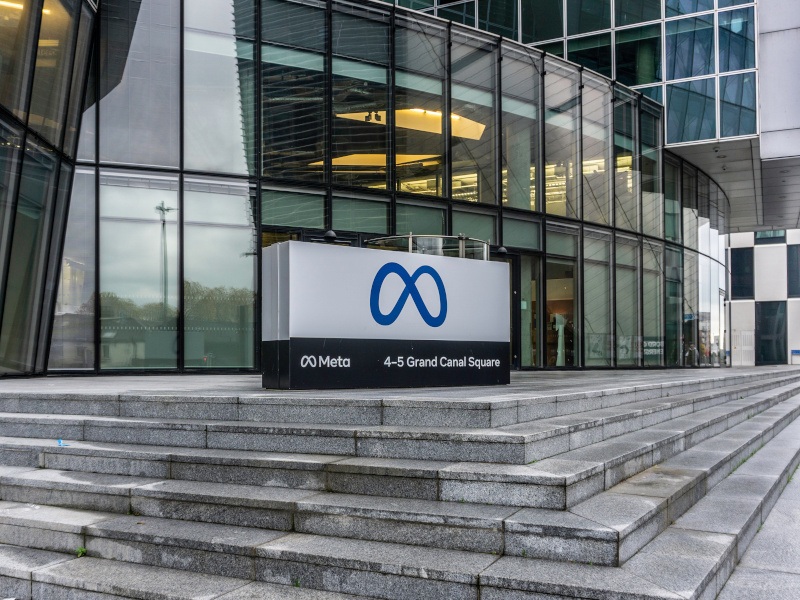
(342, 317)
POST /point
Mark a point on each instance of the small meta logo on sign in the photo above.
(311, 361)
(410, 290)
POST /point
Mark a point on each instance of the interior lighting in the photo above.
(420, 119)
(378, 160)
(20, 6)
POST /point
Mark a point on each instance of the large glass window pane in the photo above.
(229, 17)
(498, 16)
(792, 268)
(219, 272)
(652, 198)
(561, 138)
(598, 104)
(639, 55)
(529, 304)
(627, 296)
(10, 158)
(691, 309)
(80, 68)
(27, 261)
(422, 220)
(139, 86)
(520, 85)
(676, 8)
(742, 273)
(626, 159)
(51, 78)
(475, 225)
(652, 304)
(87, 136)
(291, 23)
(360, 97)
(727, 3)
(368, 216)
(138, 270)
(672, 201)
(597, 294)
(291, 209)
(72, 345)
(553, 48)
(690, 47)
(219, 109)
(18, 21)
(521, 234)
(561, 303)
(593, 52)
(472, 135)
(419, 107)
(691, 111)
(737, 104)
(673, 307)
(584, 16)
(542, 20)
(630, 12)
(737, 40)
(689, 205)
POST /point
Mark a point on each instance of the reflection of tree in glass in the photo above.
(222, 303)
(112, 306)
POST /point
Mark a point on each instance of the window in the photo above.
(793, 268)
(777, 236)
(741, 273)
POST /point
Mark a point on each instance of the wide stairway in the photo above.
(629, 485)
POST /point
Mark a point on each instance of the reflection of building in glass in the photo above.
(369, 119)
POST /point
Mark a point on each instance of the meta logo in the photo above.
(323, 361)
(410, 290)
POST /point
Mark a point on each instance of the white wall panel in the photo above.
(743, 325)
(769, 271)
(741, 240)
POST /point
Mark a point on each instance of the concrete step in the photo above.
(516, 444)
(457, 407)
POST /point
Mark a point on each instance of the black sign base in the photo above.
(309, 363)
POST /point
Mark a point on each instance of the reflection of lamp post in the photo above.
(163, 210)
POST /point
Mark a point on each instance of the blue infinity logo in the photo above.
(410, 289)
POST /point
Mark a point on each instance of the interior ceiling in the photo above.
(762, 194)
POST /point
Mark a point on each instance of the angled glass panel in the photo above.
(219, 273)
(598, 109)
(18, 22)
(628, 346)
(360, 97)
(293, 114)
(639, 55)
(87, 136)
(419, 106)
(51, 78)
(630, 12)
(727, 3)
(593, 52)
(458, 13)
(472, 133)
(597, 294)
(72, 345)
(25, 282)
(652, 197)
(676, 8)
(80, 68)
(626, 161)
(584, 16)
(228, 17)
(140, 84)
(521, 82)
(499, 16)
(691, 111)
(138, 270)
(690, 47)
(10, 162)
(561, 138)
(653, 343)
(737, 40)
(292, 209)
(219, 103)
(542, 20)
(655, 93)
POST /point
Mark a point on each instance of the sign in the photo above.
(342, 317)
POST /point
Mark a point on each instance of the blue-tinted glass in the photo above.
(629, 12)
(593, 52)
(498, 16)
(655, 92)
(727, 3)
(737, 40)
(554, 48)
(675, 8)
(542, 20)
(584, 16)
(737, 104)
(639, 55)
(690, 47)
(691, 111)
(462, 13)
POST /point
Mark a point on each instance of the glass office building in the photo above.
(214, 128)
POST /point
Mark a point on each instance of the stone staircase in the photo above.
(651, 490)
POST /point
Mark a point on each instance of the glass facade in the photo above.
(205, 137)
